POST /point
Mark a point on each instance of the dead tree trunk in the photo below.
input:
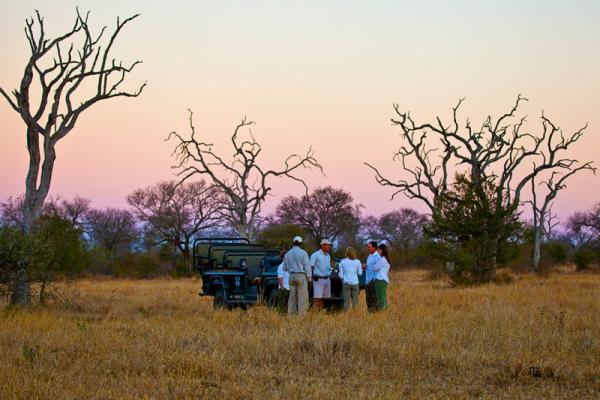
(59, 75)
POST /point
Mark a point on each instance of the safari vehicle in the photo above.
(235, 272)
(240, 274)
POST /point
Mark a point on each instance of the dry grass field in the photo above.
(533, 338)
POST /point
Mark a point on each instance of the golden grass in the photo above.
(534, 338)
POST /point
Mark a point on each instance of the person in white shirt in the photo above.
(350, 270)
(371, 296)
(381, 269)
(320, 261)
(283, 277)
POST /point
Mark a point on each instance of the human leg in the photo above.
(354, 292)
(302, 294)
(371, 296)
(381, 291)
(283, 299)
(346, 295)
(318, 293)
(293, 300)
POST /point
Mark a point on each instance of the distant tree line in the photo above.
(154, 235)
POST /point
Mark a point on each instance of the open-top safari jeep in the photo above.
(235, 272)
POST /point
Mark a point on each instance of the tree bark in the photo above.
(537, 244)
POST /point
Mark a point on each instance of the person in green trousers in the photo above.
(381, 279)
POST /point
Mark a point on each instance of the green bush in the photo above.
(557, 252)
(138, 265)
(583, 258)
(19, 253)
(54, 249)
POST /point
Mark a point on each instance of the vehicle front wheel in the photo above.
(219, 301)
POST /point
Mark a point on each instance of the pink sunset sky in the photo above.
(320, 73)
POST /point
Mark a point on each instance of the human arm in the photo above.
(341, 270)
(379, 264)
(285, 268)
(307, 266)
(359, 269)
(280, 274)
(313, 259)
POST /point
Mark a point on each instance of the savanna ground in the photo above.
(533, 338)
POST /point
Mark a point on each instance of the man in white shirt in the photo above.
(320, 261)
(372, 259)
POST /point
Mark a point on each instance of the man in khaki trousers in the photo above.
(296, 262)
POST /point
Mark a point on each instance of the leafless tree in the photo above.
(62, 70)
(11, 211)
(501, 150)
(326, 213)
(542, 210)
(112, 229)
(244, 183)
(175, 213)
(584, 226)
(402, 229)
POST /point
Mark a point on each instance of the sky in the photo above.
(320, 73)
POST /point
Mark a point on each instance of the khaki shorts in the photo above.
(322, 288)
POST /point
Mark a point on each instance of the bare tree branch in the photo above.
(243, 181)
(501, 150)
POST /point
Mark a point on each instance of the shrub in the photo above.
(583, 258)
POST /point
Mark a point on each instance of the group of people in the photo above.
(298, 272)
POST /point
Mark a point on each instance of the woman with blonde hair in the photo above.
(350, 270)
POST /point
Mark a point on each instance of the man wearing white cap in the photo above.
(320, 260)
(296, 262)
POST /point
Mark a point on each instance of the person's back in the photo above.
(350, 270)
(296, 262)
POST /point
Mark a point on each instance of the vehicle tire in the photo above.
(219, 302)
(273, 299)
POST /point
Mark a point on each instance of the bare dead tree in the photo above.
(542, 212)
(500, 151)
(61, 69)
(175, 213)
(244, 183)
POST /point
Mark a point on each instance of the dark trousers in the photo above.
(371, 296)
(282, 301)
